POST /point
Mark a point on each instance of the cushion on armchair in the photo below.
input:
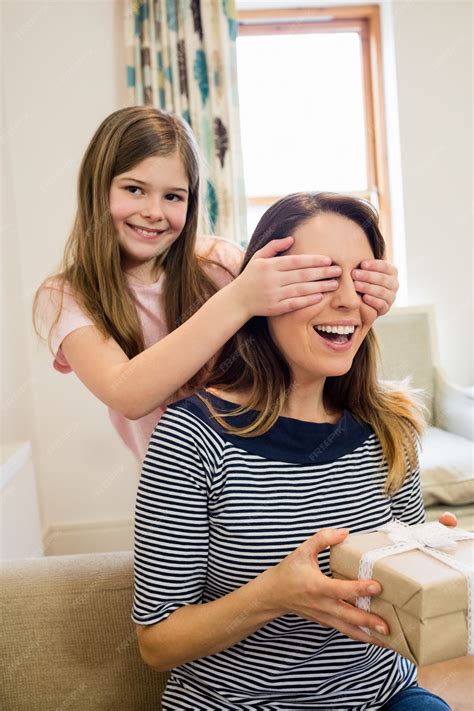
(408, 349)
(446, 463)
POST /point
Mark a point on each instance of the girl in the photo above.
(246, 484)
(141, 305)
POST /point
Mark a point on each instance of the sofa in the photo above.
(68, 641)
(408, 352)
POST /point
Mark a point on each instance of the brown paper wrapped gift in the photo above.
(424, 601)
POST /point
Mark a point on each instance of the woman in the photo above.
(246, 484)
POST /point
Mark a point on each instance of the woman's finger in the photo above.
(336, 589)
(349, 614)
(352, 631)
(448, 519)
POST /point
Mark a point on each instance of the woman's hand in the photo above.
(377, 281)
(298, 586)
(271, 285)
(448, 519)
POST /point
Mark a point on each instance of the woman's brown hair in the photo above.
(92, 267)
(251, 361)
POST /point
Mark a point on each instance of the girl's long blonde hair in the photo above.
(251, 362)
(92, 267)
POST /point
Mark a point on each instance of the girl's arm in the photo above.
(269, 285)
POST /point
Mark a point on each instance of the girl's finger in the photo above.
(298, 276)
(298, 302)
(381, 307)
(306, 288)
(379, 292)
(380, 279)
(380, 265)
(290, 262)
(273, 248)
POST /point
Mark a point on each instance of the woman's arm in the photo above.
(296, 585)
(196, 631)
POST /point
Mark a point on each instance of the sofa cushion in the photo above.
(447, 468)
(68, 641)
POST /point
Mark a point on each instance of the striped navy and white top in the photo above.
(214, 510)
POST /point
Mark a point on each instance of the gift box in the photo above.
(427, 576)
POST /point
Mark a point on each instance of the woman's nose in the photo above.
(346, 296)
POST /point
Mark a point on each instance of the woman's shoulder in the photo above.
(191, 407)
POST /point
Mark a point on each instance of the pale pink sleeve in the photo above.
(227, 253)
(71, 318)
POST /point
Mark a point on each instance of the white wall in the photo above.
(433, 42)
(64, 72)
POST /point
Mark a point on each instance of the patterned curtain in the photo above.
(181, 57)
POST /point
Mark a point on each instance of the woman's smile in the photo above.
(337, 335)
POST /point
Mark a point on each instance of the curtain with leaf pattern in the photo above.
(181, 57)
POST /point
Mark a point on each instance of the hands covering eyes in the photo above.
(377, 281)
(273, 283)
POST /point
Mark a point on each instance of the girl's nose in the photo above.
(153, 209)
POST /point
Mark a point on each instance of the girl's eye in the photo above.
(172, 197)
(132, 187)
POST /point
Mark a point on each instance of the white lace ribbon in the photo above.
(430, 538)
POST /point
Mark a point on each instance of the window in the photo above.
(311, 106)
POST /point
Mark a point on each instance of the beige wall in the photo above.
(64, 71)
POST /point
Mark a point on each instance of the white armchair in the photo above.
(408, 349)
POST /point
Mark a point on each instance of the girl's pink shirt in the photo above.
(134, 433)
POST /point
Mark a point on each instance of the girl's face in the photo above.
(148, 205)
(321, 340)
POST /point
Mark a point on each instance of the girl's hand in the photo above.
(298, 586)
(377, 281)
(448, 519)
(271, 285)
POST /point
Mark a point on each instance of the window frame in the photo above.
(365, 20)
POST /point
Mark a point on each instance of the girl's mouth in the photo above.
(145, 233)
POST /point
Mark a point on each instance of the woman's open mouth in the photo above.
(338, 338)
